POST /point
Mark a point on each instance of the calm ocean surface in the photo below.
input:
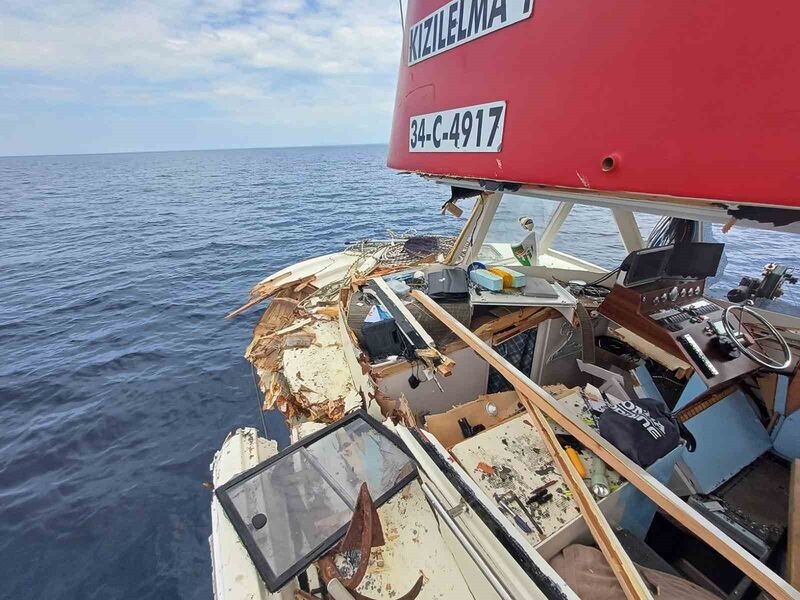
(118, 376)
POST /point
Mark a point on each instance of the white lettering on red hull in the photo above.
(462, 21)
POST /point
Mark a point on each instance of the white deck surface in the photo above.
(413, 547)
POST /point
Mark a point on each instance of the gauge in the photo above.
(673, 294)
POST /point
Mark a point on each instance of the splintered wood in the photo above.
(309, 378)
(306, 342)
(277, 286)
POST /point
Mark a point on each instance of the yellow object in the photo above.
(501, 273)
(576, 460)
(511, 278)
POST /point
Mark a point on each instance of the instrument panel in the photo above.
(673, 293)
(678, 318)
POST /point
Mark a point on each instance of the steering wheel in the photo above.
(760, 357)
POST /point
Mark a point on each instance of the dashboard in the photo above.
(677, 317)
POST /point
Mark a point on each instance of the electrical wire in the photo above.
(669, 230)
(604, 277)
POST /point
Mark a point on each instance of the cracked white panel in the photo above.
(320, 373)
(328, 269)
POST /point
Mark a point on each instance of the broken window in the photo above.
(292, 508)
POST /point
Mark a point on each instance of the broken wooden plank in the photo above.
(267, 291)
(662, 357)
(637, 476)
(326, 311)
(619, 561)
(279, 314)
(793, 537)
(524, 325)
(506, 321)
(264, 286)
(294, 326)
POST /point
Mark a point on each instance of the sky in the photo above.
(86, 76)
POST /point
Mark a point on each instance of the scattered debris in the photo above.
(297, 347)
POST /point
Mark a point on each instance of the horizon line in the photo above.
(190, 150)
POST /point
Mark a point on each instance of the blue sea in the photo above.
(119, 377)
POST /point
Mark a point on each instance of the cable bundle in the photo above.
(669, 230)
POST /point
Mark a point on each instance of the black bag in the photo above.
(644, 429)
(448, 283)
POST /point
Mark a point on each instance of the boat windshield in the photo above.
(589, 233)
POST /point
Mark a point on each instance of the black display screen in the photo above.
(687, 260)
(647, 265)
(694, 260)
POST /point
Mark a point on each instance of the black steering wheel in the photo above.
(760, 357)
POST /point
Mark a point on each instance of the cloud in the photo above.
(181, 39)
(243, 59)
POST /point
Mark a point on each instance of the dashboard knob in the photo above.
(683, 293)
(655, 300)
(664, 297)
(697, 290)
(691, 291)
(673, 294)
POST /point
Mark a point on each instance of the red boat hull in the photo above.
(690, 98)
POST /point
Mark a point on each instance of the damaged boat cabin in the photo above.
(486, 416)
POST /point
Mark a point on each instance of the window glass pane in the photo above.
(505, 227)
(297, 504)
(302, 509)
(747, 251)
(590, 233)
(356, 453)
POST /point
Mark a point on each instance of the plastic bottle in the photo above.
(526, 251)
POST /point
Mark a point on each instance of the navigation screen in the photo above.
(694, 260)
(647, 265)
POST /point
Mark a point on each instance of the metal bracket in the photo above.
(457, 510)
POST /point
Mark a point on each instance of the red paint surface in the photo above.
(695, 98)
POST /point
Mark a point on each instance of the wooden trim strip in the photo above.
(619, 561)
(769, 581)
(704, 403)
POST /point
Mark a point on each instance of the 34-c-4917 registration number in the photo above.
(476, 128)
